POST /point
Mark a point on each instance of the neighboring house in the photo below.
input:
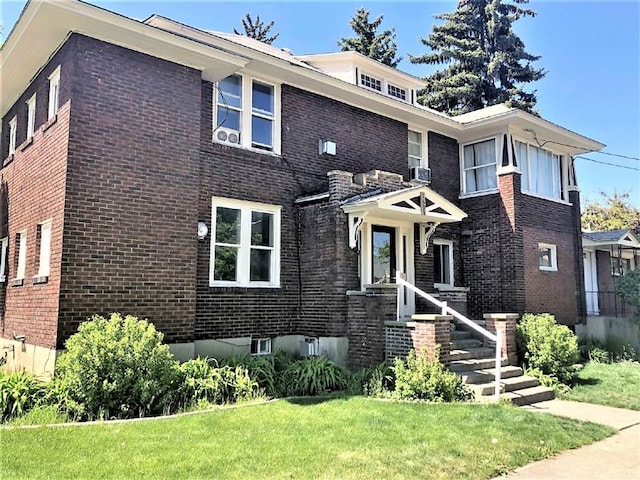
(608, 256)
(307, 177)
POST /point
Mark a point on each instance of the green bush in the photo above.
(371, 381)
(19, 393)
(313, 376)
(116, 367)
(628, 287)
(418, 378)
(261, 369)
(547, 347)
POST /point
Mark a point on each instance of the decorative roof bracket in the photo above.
(355, 225)
(426, 231)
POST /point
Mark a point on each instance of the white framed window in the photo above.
(443, 263)
(54, 93)
(245, 244)
(260, 346)
(21, 263)
(4, 244)
(13, 133)
(44, 230)
(31, 116)
(541, 171)
(416, 149)
(246, 113)
(480, 166)
(397, 92)
(621, 265)
(371, 82)
(547, 257)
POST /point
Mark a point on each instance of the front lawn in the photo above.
(345, 438)
(611, 384)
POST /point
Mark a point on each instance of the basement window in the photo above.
(261, 346)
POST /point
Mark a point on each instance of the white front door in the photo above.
(591, 281)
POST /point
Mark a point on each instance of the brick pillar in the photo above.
(431, 331)
(506, 324)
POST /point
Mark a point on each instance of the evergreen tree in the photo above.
(368, 42)
(257, 29)
(485, 61)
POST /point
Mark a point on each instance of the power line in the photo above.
(607, 163)
(618, 155)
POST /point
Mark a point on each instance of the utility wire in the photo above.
(607, 163)
(543, 143)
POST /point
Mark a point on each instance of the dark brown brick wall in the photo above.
(35, 182)
(130, 221)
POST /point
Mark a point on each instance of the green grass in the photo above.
(611, 384)
(345, 438)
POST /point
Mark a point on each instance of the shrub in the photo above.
(547, 347)
(261, 369)
(313, 376)
(19, 393)
(418, 378)
(628, 287)
(372, 381)
(116, 367)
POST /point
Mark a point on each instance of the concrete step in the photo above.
(465, 344)
(511, 384)
(472, 353)
(469, 364)
(460, 335)
(527, 396)
(474, 377)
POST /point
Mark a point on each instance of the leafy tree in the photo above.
(615, 212)
(379, 46)
(485, 62)
(257, 29)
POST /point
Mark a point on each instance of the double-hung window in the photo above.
(54, 93)
(541, 171)
(21, 260)
(44, 231)
(415, 149)
(443, 263)
(13, 133)
(246, 113)
(245, 244)
(31, 116)
(4, 244)
(479, 166)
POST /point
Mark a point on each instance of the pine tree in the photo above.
(485, 61)
(381, 47)
(257, 29)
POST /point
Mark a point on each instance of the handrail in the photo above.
(446, 309)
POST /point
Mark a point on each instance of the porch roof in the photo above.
(622, 238)
(417, 204)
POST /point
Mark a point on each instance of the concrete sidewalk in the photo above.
(615, 458)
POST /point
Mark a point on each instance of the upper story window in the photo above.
(31, 116)
(245, 244)
(44, 232)
(13, 133)
(397, 92)
(541, 171)
(246, 113)
(479, 166)
(54, 93)
(370, 82)
(415, 149)
(4, 244)
(443, 263)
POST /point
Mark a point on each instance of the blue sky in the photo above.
(590, 49)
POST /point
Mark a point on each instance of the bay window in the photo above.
(479, 166)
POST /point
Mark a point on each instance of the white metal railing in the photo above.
(447, 310)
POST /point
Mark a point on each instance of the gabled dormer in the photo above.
(355, 68)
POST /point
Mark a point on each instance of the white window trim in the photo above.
(564, 173)
(44, 258)
(13, 133)
(449, 243)
(4, 248)
(260, 352)
(31, 116)
(54, 93)
(383, 83)
(246, 113)
(463, 177)
(554, 257)
(21, 245)
(244, 249)
(424, 146)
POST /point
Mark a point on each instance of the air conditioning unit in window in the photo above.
(421, 174)
(227, 135)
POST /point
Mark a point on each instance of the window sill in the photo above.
(40, 279)
(49, 123)
(17, 282)
(26, 144)
(233, 285)
(478, 194)
(443, 286)
(260, 151)
(8, 160)
(555, 200)
(548, 269)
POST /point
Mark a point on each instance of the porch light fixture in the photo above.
(326, 147)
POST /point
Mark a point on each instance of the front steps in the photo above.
(476, 365)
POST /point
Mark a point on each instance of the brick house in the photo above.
(244, 198)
